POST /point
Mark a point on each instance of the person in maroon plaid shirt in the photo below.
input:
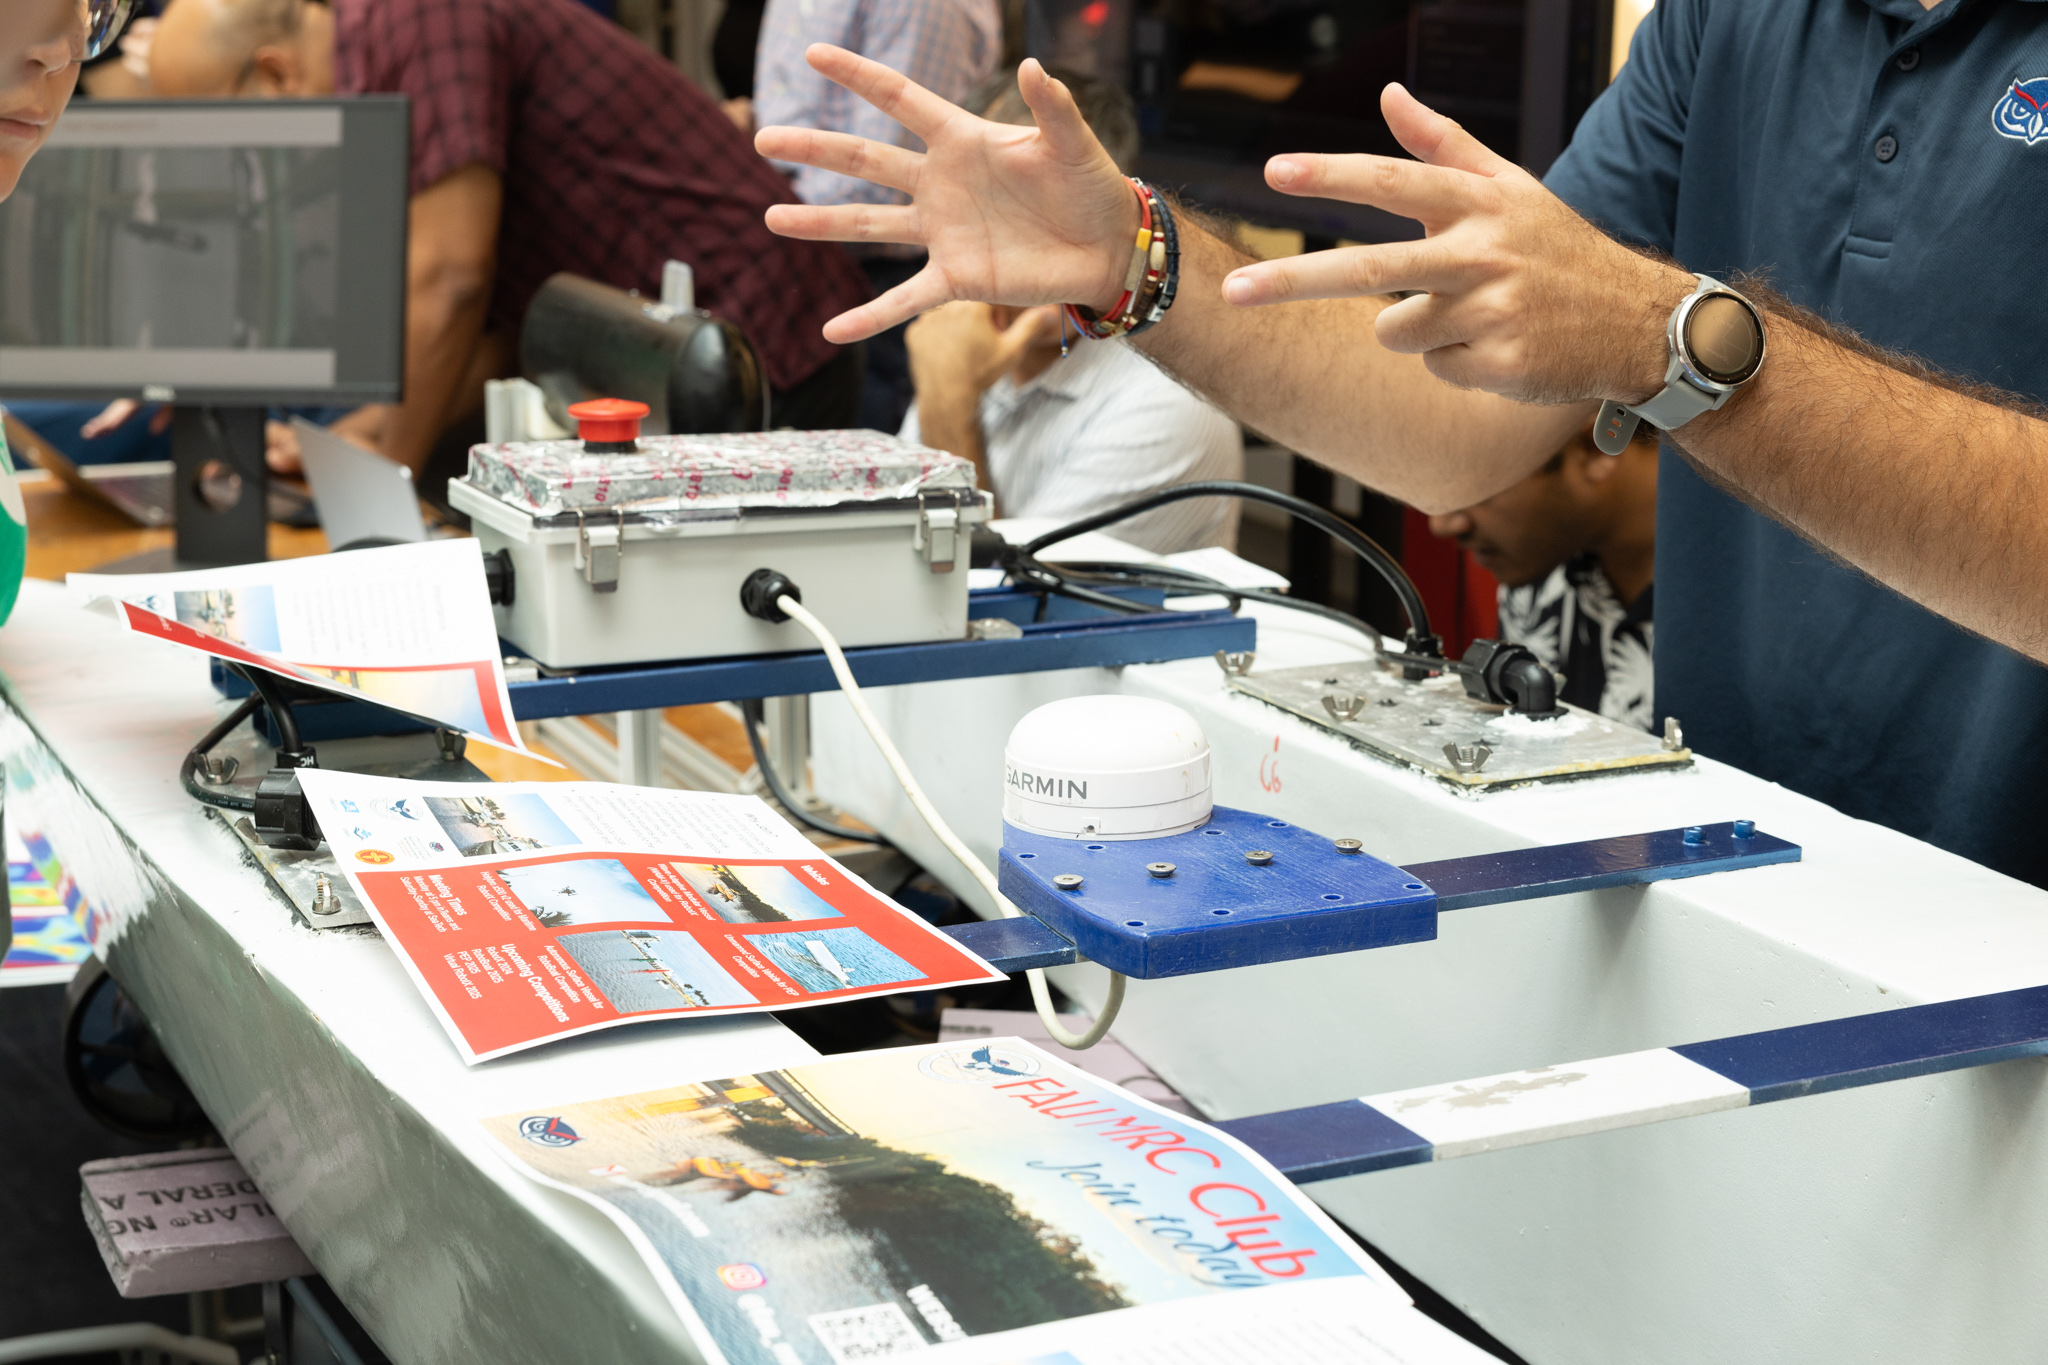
(544, 138)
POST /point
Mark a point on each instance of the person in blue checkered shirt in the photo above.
(949, 46)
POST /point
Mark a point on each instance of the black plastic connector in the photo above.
(1421, 644)
(758, 594)
(1510, 675)
(498, 577)
(283, 818)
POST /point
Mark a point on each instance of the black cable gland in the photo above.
(1510, 675)
(759, 593)
(1426, 644)
(498, 577)
(283, 817)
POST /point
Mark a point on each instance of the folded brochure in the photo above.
(967, 1202)
(530, 911)
(404, 626)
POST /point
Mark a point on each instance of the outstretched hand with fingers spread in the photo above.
(1009, 215)
(1514, 292)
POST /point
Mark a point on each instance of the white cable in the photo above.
(1040, 996)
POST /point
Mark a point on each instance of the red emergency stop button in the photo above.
(608, 424)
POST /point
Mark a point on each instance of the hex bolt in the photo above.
(1068, 881)
(1745, 829)
(1350, 845)
(1695, 835)
(1258, 857)
(1160, 869)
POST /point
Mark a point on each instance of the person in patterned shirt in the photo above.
(1574, 547)
(544, 139)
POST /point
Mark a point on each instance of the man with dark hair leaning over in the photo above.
(544, 138)
(1853, 546)
(1574, 546)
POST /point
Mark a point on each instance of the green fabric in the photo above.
(13, 532)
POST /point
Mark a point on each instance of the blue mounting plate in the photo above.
(1217, 910)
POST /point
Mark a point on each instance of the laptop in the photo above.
(362, 497)
(140, 491)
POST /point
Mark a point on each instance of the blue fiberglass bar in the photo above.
(1438, 1122)
(1625, 860)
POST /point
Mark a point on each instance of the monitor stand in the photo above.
(219, 493)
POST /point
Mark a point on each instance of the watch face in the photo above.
(1723, 339)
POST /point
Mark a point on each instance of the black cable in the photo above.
(783, 798)
(1421, 639)
(1182, 581)
(188, 770)
(272, 695)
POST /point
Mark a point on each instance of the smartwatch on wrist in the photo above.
(1717, 345)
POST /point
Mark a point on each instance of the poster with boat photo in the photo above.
(520, 926)
(981, 1201)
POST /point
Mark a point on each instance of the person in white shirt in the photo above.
(1067, 437)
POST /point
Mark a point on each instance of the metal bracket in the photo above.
(599, 550)
(938, 533)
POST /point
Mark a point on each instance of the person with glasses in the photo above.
(42, 45)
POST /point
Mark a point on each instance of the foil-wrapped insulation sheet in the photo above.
(690, 476)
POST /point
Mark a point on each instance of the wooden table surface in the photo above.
(71, 534)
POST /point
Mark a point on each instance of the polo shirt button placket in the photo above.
(1908, 60)
(1887, 147)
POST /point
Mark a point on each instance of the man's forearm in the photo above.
(1935, 492)
(949, 419)
(1313, 377)
(443, 325)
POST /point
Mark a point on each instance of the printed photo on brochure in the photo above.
(527, 912)
(408, 627)
(888, 1203)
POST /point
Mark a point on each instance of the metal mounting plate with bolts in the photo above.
(1435, 728)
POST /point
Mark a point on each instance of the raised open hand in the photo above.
(1515, 293)
(1009, 215)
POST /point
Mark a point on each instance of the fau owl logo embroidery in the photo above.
(2022, 112)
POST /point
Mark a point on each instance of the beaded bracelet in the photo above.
(1169, 284)
(1151, 281)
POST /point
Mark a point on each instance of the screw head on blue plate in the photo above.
(1745, 829)
(1695, 835)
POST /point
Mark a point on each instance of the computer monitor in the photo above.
(233, 253)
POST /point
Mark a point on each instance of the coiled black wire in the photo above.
(750, 714)
(1421, 640)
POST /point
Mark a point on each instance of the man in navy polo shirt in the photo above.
(1862, 613)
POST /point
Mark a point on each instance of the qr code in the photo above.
(858, 1334)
